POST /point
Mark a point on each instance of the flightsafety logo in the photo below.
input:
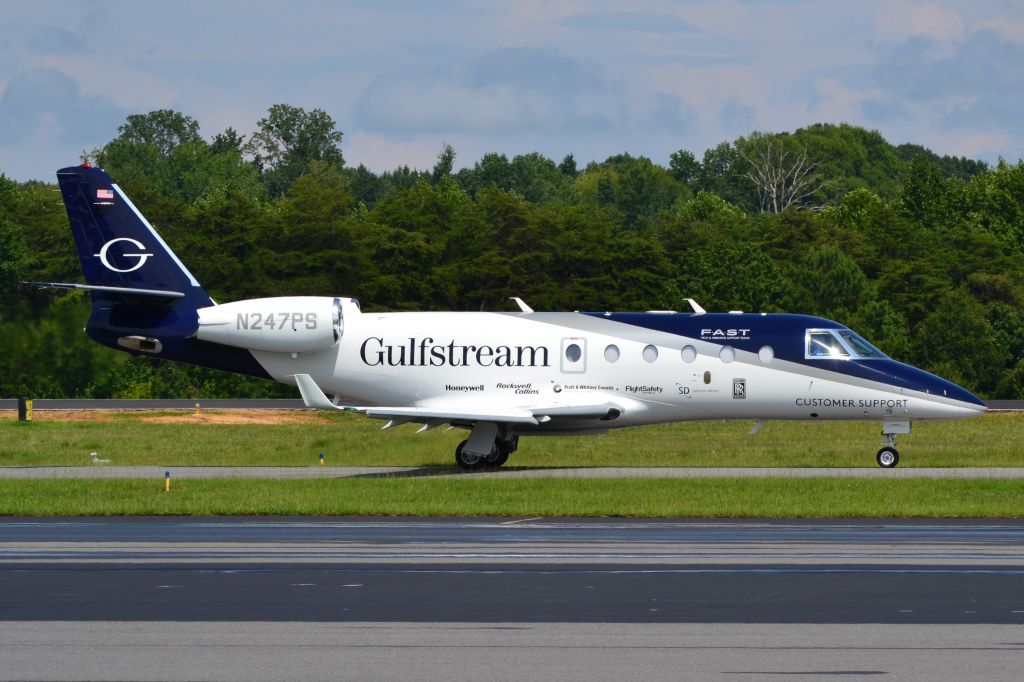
(104, 255)
(376, 352)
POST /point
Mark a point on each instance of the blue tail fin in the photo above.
(144, 300)
(116, 244)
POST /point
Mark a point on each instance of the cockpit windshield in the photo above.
(840, 344)
(861, 347)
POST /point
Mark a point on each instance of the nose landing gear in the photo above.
(888, 456)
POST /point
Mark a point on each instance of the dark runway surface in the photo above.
(511, 571)
(535, 594)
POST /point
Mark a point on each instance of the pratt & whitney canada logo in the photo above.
(143, 256)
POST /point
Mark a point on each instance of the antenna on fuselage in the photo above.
(696, 307)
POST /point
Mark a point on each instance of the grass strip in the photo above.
(350, 440)
(773, 498)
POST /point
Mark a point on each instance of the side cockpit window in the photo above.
(821, 344)
(838, 344)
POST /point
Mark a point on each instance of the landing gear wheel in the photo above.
(887, 457)
(467, 460)
(503, 450)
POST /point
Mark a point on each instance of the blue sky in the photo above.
(585, 77)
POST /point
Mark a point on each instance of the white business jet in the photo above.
(499, 375)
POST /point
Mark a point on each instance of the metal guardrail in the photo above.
(254, 404)
(1005, 404)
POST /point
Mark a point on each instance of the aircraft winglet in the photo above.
(312, 395)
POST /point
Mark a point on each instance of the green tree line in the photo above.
(921, 253)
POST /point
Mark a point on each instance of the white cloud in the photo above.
(554, 76)
(708, 90)
(899, 21)
(381, 153)
(1010, 30)
(973, 144)
(501, 91)
(745, 21)
(838, 102)
(126, 86)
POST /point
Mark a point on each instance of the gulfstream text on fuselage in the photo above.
(375, 352)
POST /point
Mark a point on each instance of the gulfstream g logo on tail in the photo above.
(103, 255)
(425, 353)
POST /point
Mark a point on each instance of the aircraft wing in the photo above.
(436, 415)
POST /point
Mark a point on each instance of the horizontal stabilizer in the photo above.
(121, 291)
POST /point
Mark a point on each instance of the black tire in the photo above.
(887, 457)
(499, 458)
(467, 461)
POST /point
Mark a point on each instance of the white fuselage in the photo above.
(522, 360)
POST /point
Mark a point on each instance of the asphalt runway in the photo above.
(331, 598)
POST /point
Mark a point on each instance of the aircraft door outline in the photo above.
(574, 355)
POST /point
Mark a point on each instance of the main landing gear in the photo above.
(888, 456)
(501, 448)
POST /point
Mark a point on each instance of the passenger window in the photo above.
(823, 345)
(650, 353)
(573, 353)
(611, 353)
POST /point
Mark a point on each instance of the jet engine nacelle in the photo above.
(289, 324)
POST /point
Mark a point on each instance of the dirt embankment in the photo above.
(176, 417)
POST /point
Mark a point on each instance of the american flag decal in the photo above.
(104, 194)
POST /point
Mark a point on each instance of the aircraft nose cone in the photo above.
(966, 403)
(971, 401)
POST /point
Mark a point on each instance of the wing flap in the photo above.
(458, 414)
